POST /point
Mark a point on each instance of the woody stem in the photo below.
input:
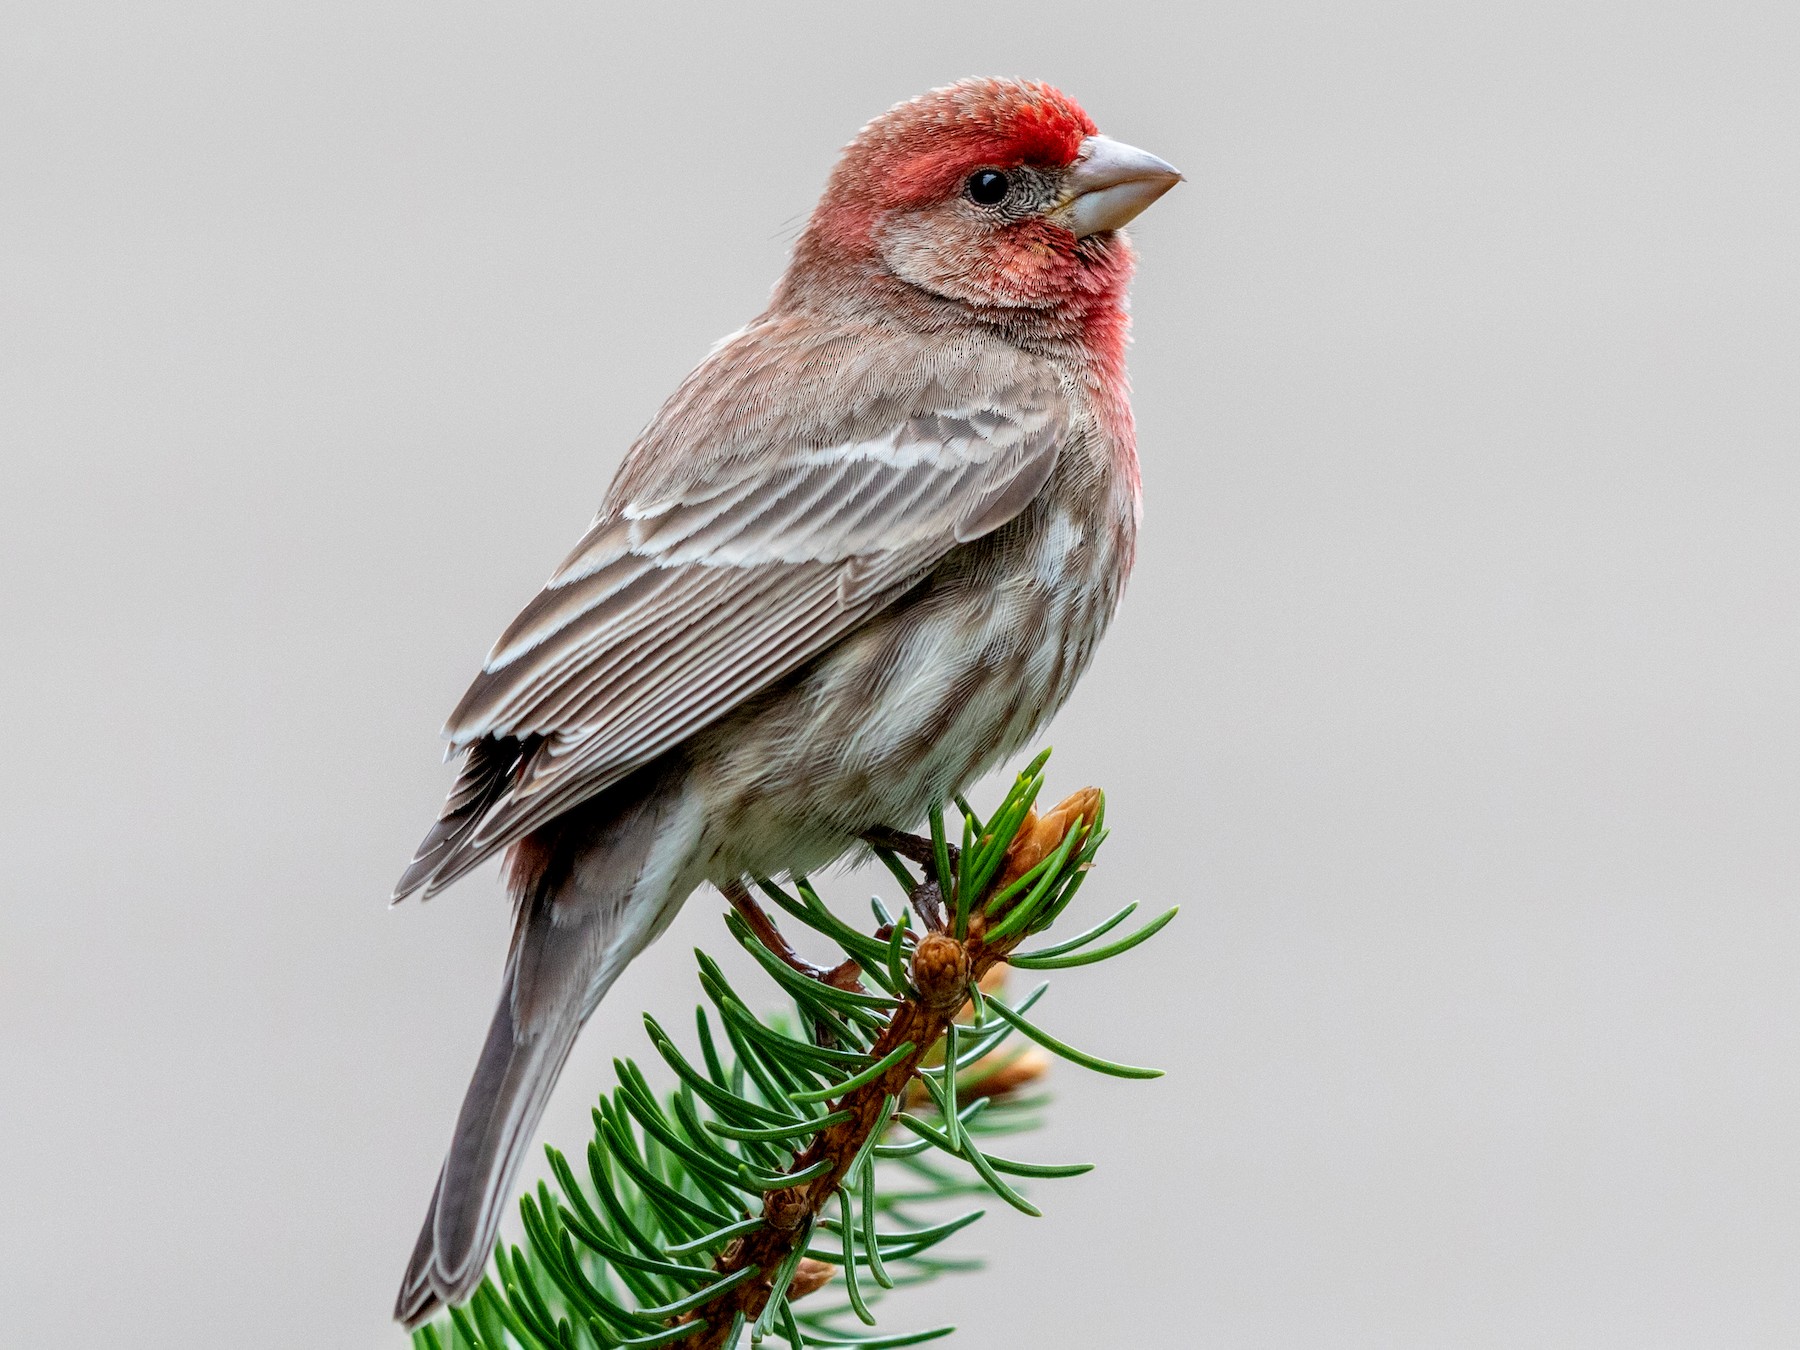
(936, 991)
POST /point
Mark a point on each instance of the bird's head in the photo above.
(994, 193)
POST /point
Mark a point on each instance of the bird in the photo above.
(858, 558)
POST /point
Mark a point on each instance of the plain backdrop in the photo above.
(1454, 697)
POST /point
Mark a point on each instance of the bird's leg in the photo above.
(759, 923)
(756, 918)
(926, 899)
(914, 848)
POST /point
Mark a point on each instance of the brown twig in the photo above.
(941, 970)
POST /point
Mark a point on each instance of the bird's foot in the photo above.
(927, 901)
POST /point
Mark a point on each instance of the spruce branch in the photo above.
(789, 1147)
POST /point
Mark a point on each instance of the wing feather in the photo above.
(556, 607)
(684, 601)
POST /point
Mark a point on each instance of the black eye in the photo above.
(987, 187)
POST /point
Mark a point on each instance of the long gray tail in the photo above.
(582, 915)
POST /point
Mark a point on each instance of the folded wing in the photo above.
(678, 606)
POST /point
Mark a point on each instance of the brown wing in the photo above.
(675, 609)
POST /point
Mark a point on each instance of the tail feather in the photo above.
(418, 1292)
(584, 912)
(512, 1083)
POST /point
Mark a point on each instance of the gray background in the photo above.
(1453, 697)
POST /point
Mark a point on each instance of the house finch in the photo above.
(859, 557)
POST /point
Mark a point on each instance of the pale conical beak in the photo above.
(1109, 184)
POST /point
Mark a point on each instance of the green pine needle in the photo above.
(651, 1246)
